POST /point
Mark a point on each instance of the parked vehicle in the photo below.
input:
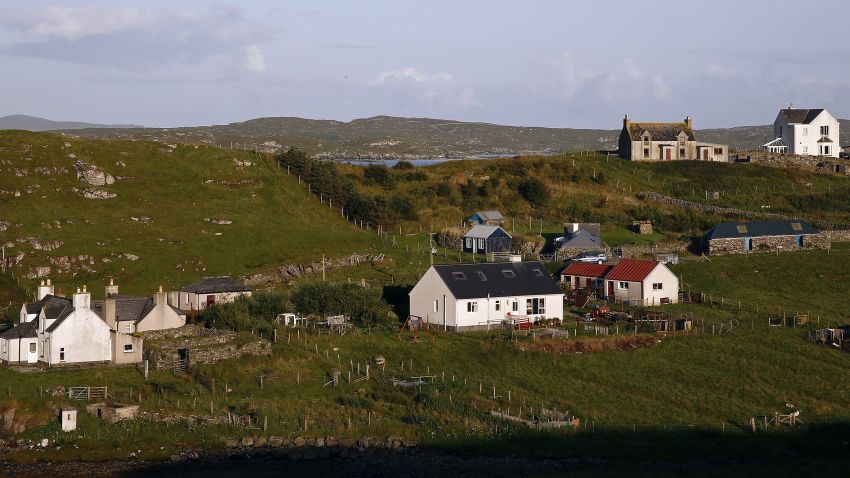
(594, 256)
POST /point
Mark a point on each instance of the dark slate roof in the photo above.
(727, 230)
(484, 231)
(66, 312)
(33, 308)
(825, 139)
(215, 285)
(54, 306)
(797, 115)
(26, 330)
(581, 239)
(660, 131)
(128, 308)
(472, 281)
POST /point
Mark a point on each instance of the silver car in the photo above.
(594, 257)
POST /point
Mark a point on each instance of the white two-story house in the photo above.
(476, 296)
(811, 132)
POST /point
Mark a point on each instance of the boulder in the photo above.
(299, 441)
(330, 441)
(247, 441)
(275, 442)
(260, 442)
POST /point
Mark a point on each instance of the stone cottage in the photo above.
(666, 142)
(763, 236)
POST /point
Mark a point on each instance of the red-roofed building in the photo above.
(581, 275)
(641, 282)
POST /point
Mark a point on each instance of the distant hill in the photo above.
(386, 136)
(34, 123)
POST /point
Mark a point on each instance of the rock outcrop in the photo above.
(92, 174)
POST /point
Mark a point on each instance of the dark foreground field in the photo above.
(821, 451)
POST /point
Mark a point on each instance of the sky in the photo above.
(533, 63)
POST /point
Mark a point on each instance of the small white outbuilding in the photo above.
(68, 418)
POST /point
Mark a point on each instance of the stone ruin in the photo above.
(197, 345)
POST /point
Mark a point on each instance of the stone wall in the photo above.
(293, 271)
(838, 235)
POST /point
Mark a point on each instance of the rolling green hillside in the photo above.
(179, 213)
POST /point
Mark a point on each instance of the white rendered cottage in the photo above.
(73, 332)
(812, 132)
(208, 291)
(474, 296)
(19, 344)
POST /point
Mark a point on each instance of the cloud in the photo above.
(254, 59)
(568, 76)
(134, 38)
(713, 70)
(409, 75)
(660, 89)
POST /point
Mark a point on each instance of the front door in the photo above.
(667, 154)
(577, 286)
(705, 154)
(610, 289)
(32, 354)
(210, 300)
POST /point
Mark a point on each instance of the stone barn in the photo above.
(763, 236)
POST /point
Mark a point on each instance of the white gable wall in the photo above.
(485, 309)
(429, 289)
(669, 283)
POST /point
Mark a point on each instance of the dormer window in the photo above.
(824, 130)
(646, 139)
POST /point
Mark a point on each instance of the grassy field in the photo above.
(181, 191)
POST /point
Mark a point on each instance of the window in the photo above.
(32, 347)
(646, 140)
(469, 243)
(805, 131)
(645, 152)
(742, 229)
(718, 151)
(515, 306)
(498, 305)
(657, 286)
(130, 328)
(481, 276)
(535, 306)
(826, 150)
(805, 149)
(62, 354)
(509, 274)
(681, 152)
(128, 348)
(681, 141)
(824, 130)
(436, 305)
(472, 306)
(459, 275)
(537, 272)
(481, 243)
(796, 226)
(623, 285)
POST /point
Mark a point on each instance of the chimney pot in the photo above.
(48, 281)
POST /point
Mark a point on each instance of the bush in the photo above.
(534, 191)
(444, 189)
(403, 165)
(378, 174)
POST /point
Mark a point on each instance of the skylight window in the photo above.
(742, 229)
(481, 276)
(796, 226)
(537, 272)
(509, 274)
(459, 275)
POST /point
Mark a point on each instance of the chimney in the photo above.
(82, 299)
(44, 289)
(111, 289)
(160, 298)
(109, 313)
(688, 122)
(626, 121)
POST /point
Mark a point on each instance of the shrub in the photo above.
(378, 174)
(534, 191)
(403, 165)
